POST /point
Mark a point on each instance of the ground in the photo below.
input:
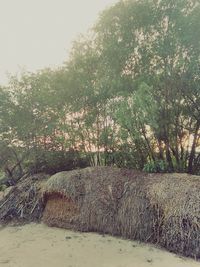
(36, 245)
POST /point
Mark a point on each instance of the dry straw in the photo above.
(159, 208)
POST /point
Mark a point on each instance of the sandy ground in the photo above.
(36, 245)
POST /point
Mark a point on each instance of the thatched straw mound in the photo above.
(177, 201)
(94, 194)
(157, 208)
(23, 202)
(162, 209)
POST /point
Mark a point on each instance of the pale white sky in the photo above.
(38, 33)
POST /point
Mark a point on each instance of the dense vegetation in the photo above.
(129, 95)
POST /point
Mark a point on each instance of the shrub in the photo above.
(160, 166)
(56, 161)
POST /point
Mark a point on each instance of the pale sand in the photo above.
(39, 246)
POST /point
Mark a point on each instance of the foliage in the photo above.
(129, 95)
(156, 166)
(51, 162)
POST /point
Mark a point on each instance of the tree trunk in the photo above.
(193, 149)
(168, 156)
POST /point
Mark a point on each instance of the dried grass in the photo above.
(157, 208)
(60, 209)
(177, 200)
(23, 202)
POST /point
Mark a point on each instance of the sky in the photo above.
(35, 34)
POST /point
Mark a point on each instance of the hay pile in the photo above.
(23, 202)
(95, 194)
(159, 208)
(177, 201)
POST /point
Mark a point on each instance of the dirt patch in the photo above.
(38, 245)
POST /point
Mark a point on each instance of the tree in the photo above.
(157, 42)
(129, 95)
